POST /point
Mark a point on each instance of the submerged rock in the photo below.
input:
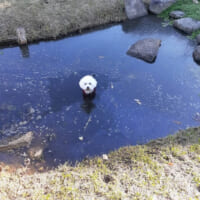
(36, 152)
(196, 54)
(135, 9)
(21, 141)
(195, 1)
(198, 39)
(146, 49)
(187, 25)
(157, 6)
(176, 14)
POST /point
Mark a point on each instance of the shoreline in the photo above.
(56, 19)
(166, 168)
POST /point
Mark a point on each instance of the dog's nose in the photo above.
(87, 88)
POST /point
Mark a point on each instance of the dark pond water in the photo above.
(40, 93)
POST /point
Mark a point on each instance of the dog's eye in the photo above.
(90, 83)
(85, 83)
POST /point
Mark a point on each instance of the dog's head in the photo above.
(88, 84)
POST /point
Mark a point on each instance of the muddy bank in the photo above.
(51, 19)
(168, 168)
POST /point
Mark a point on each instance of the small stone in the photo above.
(196, 54)
(32, 110)
(105, 157)
(81, 138)
(198, 39)
(23, 123)
(176, 14)
(195, 1)
(41, 169)
(21, 36)
(38, 117)
(36, 153)
(27, 161)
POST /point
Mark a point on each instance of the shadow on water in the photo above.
(65, 91)
(40, 92)
(25, 51)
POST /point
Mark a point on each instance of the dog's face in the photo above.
(88, 84)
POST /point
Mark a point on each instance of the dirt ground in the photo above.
(51, 19)
(164, 169)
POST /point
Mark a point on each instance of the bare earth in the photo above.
(51, 19)
(164, 169)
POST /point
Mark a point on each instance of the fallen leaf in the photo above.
(138, 101)
(170, 164)
(177, 122)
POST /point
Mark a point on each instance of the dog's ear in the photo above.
(81, 83)
(94, 82)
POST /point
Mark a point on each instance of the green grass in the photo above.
(188, 7)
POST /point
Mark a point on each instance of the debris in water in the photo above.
(38, 117)
(177, 122)
(138, 101)
(81, 138)
(27, 162)
(111, 85)
(87, 123)
(197, 116)
(23, 123)
(32, 110)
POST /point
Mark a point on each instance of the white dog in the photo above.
(88, 84)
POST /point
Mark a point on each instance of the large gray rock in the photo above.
(176, 14)
(36, 152)
(146, 49)
(135, 9)
(187, 25)
(198, 39)
(157, 6)
(196, 54)
(17, 142)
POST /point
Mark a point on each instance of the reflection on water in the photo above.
(25, 51)
(40, 91)
(88, 104)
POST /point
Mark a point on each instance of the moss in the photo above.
(188, 7)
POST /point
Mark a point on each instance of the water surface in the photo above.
(40, 92)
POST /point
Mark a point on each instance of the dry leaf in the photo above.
(138, 101)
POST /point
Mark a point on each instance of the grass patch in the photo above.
(51, 19)
(142, 172)
(188, 7)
